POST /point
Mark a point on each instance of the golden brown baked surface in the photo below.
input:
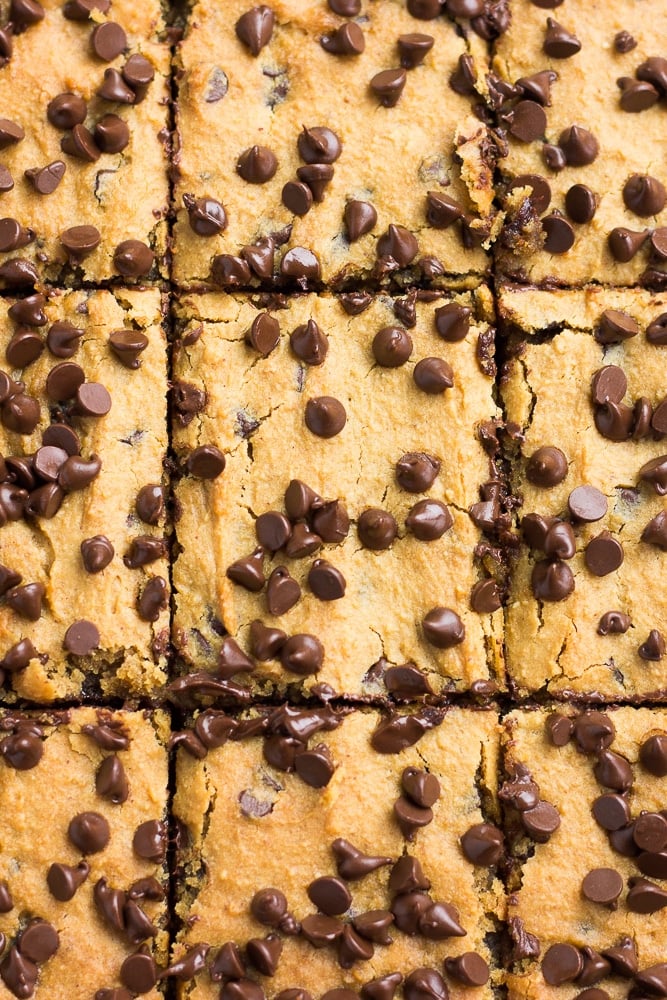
(91, 497)
(258, 412)
(112, 176)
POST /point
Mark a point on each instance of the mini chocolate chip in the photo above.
(66, 110)
(452, 322)
(644, 195)
(89, 832)
(325, 581)
(139, 972)
(301, 264)
(81, 638)
(206, 216)
(318, 145)
(416, 471)
(150, 841)
(526, 121)
(399, 244)
(257, 165)
(309, 343)
(469, 968)
(562, 963)
(546, 467)
(108, 40)
(559, 43)
(653, 648)
(302, 654)
(205, 462)
(96, 553)
(325, 416)
(63, 880)
(79, 241)
(413, 49)
(255, 28)
(348, 40)
(433, 375)
(133, 259)
(264, 334)
(388, 86)
(330, 895)
(425, 984)
(377, 529)
(392, 346)
(559, 234)
(580, 203)
(443, 628)
(653, 755)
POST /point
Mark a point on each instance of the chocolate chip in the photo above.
(150, 841)
(46, 179)
(228, 962)
(653, 979)
(273, 530)
(653, 755)
(469, 968)
(655, 472)
(594, 731)
(318, 145)
(255, 28)
(433, 375)
(656, 331)
(345, 8)
(540, 196)
(138, 73)
(353, 864)
(580, 203)
(645, 896)
(440, 921)
(229, 271)
(22, 751)
(613, 771)
(348, 40)
(644, 195)
(315, 766)
(413, 49)
(13, 235)
(38, 941)
(18, 973)
(441, 210)
(302, 654)
(636, 95)
(425, 10)
(541, 822)
(325, 581)
(206, 216)
(325, 416)
(96, 553)
(623, 958)
(452, 322)
(552, 581)
(80, 241)
(133, 259)
(526, 121)
(114, 88)
(416, 471)
(248, 572)
(559, 43)
(392, 346)
(443, 628)
(139, 972)
(614, 623)
(321, 930)
(264, 953)
(317, 176)
(268, 906)
(309, 343)
(411, 817)
(89, 832)
(650, 832)
(27, 600)
(205, 462)
(64, 381)
(374, 926)
(653, 648)
(604, 554)
(429, 520)
(425, 984)
(301, 264)
(377, 529)
(330, 895)
(24, 347)
(546, 467)
(399, 244)
(108, 40)
(388, 86)
(283, 592)
(559, 234)
(257, 165)
(562, 963)
(587, 504)
(608, 384)
(63, 339)
(483, 844)
(80, 10)
(10, 133)
(64, 880)
(264, 334)
(81, 638)
(297, 197)
(579, 146)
